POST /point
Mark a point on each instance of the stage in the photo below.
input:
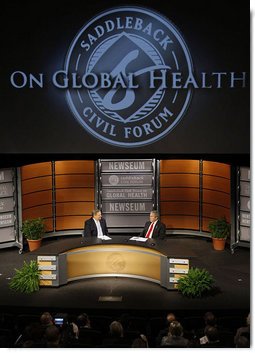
(231, 293)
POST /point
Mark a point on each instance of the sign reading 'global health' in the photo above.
(123, 57)
(127, 193)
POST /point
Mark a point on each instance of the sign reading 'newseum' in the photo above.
(129, 207)
(125, 166)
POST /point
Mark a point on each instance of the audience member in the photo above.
(32, 336)
(242, 342)
(53, 336)
(169, 318)
(209, 320)
(140, 342)
(243, 331)
(83, 321)
(69, 330)
(116, 329)
(88, 337)
(175, 336)
(211, 338)
(46, 320)
(62, 332)
(116, 337)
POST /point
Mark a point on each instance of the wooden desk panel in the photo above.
(113, 260)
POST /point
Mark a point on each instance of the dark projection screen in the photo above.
(178, 77)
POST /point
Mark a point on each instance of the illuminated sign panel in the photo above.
(107, 78)
(126, 180)
(127, 188)
(125, 54)
(127, 193)
(126, 166)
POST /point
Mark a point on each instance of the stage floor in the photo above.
(231, 273)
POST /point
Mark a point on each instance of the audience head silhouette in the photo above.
(116, 329)
(175, 329)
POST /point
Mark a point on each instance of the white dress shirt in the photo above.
(99, 228)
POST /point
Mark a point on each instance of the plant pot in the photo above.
(34, 244)
(219, 243)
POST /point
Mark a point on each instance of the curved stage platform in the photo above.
(231, 273)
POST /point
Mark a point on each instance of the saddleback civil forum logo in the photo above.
(122, 60)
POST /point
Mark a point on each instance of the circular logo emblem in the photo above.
(125, 66)
(114, 179)
(116, 262)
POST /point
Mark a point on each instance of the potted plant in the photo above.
(27, 278)
(220, 230)
(33, 230)
(196, 283)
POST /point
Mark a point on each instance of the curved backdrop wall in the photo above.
(191, 193)
(179, 194)
(75, 193)
(216, 192)
(36, 183)
(62, 192)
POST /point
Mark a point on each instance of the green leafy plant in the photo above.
(33, 229)
(196, 283)
(219, 228)
(27, 278)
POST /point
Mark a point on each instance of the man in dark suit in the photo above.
(96, 225)
(154, 228)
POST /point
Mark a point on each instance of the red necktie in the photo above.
(149, 231)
